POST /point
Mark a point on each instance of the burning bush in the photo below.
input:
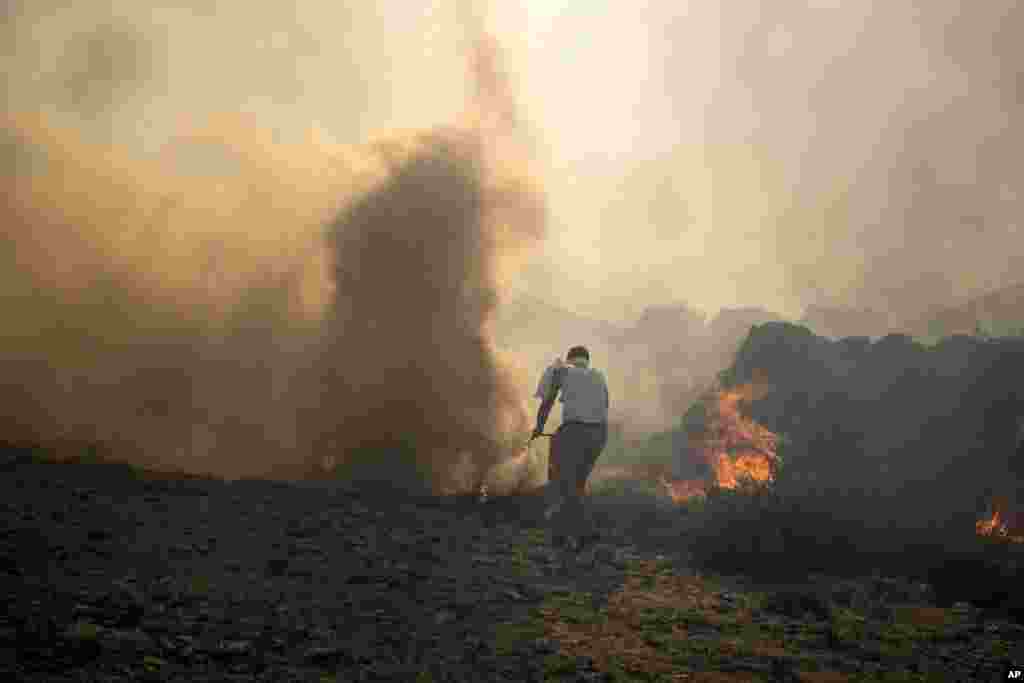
(725, 443)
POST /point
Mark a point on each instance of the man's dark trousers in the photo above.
(575, 448)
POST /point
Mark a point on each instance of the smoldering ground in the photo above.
(246, 305)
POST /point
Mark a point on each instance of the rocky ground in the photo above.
(112, 574)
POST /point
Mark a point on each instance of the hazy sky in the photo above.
(777, 154)
(731, 153)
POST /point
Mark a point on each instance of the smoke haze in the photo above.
(785, 156)
(239, 190)
(204, 278)
(779, 154)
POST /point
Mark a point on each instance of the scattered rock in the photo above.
(796, 603)
(849, 594)
(276, 567)
(325, 654)
(544, 646)
(747, 665)
(98, 535)
(444, 617)
(881, 612)
(83, 631)
(234, 648)
(129, 642)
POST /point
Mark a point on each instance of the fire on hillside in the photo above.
(1002, 523)
(735, 447)
(731, 445)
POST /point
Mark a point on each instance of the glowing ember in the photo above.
(992, 526)
(1001, 525)
(729, 470)
(682, 490)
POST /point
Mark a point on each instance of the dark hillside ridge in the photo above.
(840, 322)
(998, 312)
(934, 430)
(898, 449)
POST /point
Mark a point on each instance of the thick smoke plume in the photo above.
(245, 304)
(407, 359)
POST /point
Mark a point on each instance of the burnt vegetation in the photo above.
(892, 452)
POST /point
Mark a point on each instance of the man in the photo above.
(577, 444)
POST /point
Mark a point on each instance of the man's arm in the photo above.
(549, 401)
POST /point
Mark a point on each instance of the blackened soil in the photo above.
(106, 574)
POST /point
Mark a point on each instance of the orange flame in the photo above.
(993, 526)
(1000, 525)
(733, 445)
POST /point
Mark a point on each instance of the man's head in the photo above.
(578, 356)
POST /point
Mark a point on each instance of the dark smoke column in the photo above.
(409, 383)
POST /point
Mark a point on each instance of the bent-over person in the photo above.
(577, 444)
